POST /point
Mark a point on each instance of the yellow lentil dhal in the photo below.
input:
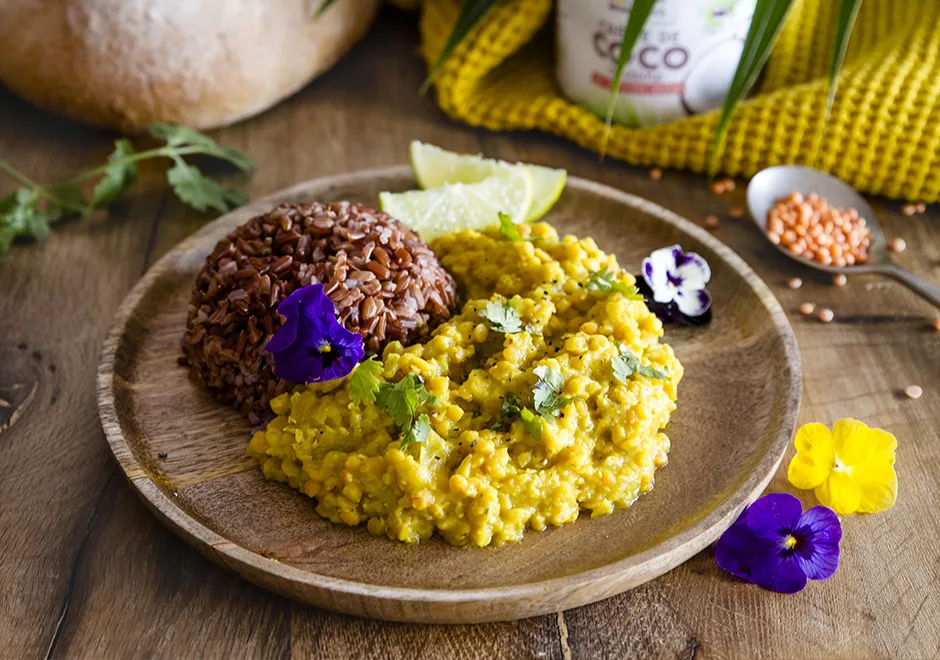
(468, 482)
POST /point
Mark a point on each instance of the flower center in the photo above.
(789, 541)
(325, 347)
(674, 280)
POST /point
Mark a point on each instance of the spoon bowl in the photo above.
(769, 185)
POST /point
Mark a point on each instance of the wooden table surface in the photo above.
(87, 572)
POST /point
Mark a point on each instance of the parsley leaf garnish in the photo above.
(503, 317)
(400, 400)
(626, 364)
(604, 280)
(417, 432)
(28, 211)
(512, 408)
(547, 393)
(364, 384)
(508, 229)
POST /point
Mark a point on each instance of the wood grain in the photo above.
(88, 572)
(736, 416)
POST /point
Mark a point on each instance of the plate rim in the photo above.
(661, 557)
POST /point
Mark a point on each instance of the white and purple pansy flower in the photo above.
(678, 277)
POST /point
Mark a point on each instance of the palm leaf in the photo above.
(769, 17)
(471, 12)
(845, 20)
(638, 14)
(322, 10)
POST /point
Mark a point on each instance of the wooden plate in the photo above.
(185, 453)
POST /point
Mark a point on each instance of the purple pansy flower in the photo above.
(777, 547)
(678, 277)
(311, 346)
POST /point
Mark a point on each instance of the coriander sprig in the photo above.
(547, 393)
(626, 364)
(509, 230)
(606, 281)
(28, 211)
(400, 400)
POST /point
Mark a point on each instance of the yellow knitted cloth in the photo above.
(883, 135)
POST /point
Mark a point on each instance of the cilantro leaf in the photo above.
(117, 179)
(401, 401)
(503, 317)
(199, 191)
(512, 408)
(363, 384)
(20, 217)
(177, 135)
(417, 432)
(532, 423)
(604, 280)
(508, 229)
(626, 364)
(547, 393)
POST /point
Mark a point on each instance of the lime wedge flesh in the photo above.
(435, 167)
(456, 206)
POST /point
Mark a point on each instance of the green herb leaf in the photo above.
(177, 135)
(845, 21)
(769, 17)
(364, 382)
(627, 364)
(547, 393)
(639, 12)
(471, 12)
(533, 329)
(20, 217)
(508, 228)
(417, 432)
(604, 280)
(118, 178)
(532, 423)
(503, 317)
(402, 399)
(199, 191)
(322, 10)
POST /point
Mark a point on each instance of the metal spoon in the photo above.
(771, 184)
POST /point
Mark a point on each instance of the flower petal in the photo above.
(818, 535)
(693, 303)
(877, 483)
(839, 492)
(693, 270)
(774, 516)
(852, 441)
(737, 547)
(296, 364)
(814, 457)
(284, 336)
(883, 444)
(656, 270)
(779, 571)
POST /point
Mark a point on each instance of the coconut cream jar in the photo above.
(681, 65)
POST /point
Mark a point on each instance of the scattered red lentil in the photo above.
(711, 221)
(897, 245)
(921, 208)
(720, 186)
(909, 209)
(807, 308)
(736, 212)
(812, 229)
(936, 325)
(795, 283)
(826, 315)
(840, 280)
(656, 174)
(914, 391)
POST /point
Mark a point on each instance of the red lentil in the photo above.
(909, 209)
(807, 308)
(795, 283)
(897, 245)
(736, 212)
(840, 280)
(826, 315)
(810, 228)
(914, 391)
(656, 174)
(711, 221)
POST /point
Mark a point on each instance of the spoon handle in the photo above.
(928, 290)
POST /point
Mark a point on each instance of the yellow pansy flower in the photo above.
(850, 469)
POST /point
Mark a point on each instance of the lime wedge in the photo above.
(435, 167)
(456, 206)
